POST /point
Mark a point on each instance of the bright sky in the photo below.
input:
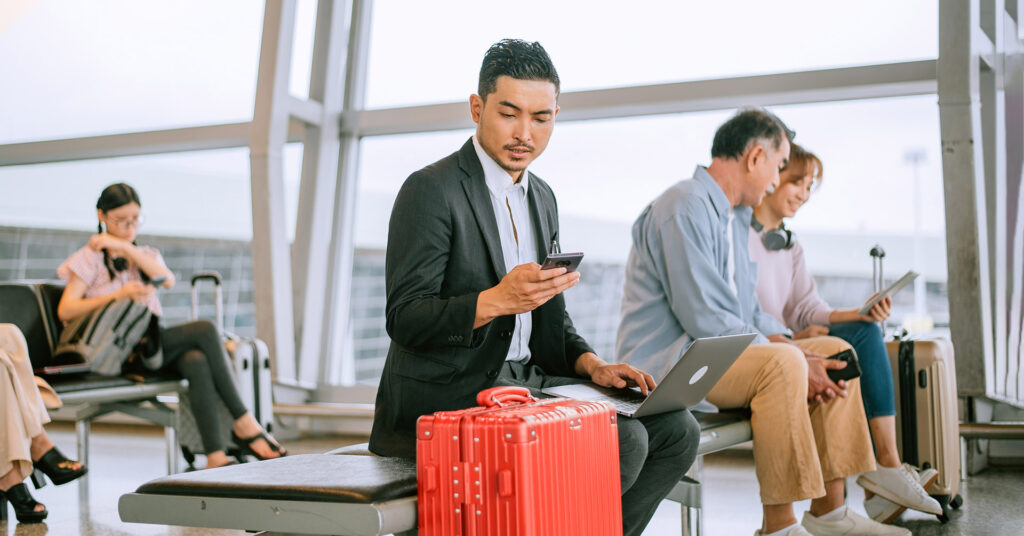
(80, 68)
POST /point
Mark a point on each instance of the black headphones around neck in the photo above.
(776, 239)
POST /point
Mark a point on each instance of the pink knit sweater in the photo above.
(785, 289)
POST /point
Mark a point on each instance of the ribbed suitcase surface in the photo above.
(519, 466)
(927, 422)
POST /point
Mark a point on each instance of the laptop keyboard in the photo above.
(625, 402)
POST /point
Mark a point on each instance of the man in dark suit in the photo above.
(468, 306)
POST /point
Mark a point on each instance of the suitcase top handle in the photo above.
(503, 395)
(214, 276)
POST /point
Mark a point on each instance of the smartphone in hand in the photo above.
(852, 369)
(158, 281)
(569, 261)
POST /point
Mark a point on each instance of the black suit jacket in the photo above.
(443, 250)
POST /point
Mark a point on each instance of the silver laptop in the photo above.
(691, 378)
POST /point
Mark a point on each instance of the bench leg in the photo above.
(171, 438)
(82, 437)
(691, 520)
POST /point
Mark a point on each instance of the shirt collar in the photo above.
(718, 199)
(498, 180)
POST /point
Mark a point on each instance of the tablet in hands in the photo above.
(892, 289)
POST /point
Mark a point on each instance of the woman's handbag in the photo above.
(149, 352)
(106, 336)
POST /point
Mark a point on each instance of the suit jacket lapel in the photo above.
(480, 201)
(541, 229)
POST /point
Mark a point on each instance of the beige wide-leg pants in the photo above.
(796, 449)
(22, 414)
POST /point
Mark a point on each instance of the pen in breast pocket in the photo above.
(554, 245)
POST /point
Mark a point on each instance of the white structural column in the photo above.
(337, 337)
(271, 252)
(981, 104)
(314, 229)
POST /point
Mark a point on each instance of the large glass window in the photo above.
(881, 159)
(83, 68)
(882, 185)
(604, 43)
(194, 194)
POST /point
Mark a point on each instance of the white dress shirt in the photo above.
(518, 244)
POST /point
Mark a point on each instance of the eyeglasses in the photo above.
(128, 222)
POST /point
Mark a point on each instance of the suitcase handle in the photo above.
(218, 298)
(503, 395)
(214, 276)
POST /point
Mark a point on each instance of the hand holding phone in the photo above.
(569, 261)
(852, 369)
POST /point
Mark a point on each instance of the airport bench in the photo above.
(348, 491)
(32, 307)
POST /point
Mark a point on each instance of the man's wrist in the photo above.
(587, 363)
(486, 308)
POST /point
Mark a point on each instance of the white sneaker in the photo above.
(885, 511)
(899, 485)
(851, 524)
(797, 530)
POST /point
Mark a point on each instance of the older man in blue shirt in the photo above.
(689, 275)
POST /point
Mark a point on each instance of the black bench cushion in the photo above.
(357, 449)
(83, 382)
(305, 477)
(49, 296)
(19, 305)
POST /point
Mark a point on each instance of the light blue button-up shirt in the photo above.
(677, 277)
(518, 244)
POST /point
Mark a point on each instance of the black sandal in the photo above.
(57, 467)
(246, 445)
(23, 503)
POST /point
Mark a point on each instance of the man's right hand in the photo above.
(525, 288)
(821, 388)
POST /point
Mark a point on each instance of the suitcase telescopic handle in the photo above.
(213, 276)
(218, 298)
(503, 396)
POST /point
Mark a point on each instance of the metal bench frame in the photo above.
(281, 517)
(90, 404)
(40, 326)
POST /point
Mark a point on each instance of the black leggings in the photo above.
(195, 351)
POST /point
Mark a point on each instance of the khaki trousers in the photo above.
(796, 449)
(22, 414)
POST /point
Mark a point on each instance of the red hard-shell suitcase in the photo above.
(519, 466)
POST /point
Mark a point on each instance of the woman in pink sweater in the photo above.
(786, 290)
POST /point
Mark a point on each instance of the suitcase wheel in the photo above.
(947, 506)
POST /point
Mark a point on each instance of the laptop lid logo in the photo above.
(698, 375)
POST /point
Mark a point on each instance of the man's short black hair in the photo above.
(519, 59)
(745, 129)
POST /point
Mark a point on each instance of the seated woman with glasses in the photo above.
(113, 266)
(25, 449)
